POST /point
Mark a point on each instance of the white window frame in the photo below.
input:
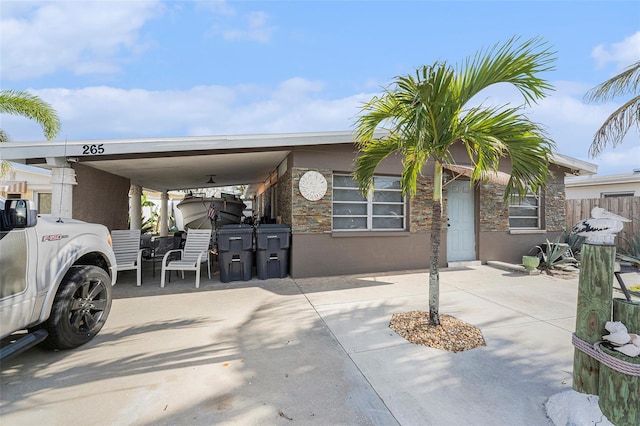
(616, 194)
(369, 203)
(517, 203)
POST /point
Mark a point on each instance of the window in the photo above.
(524, 213)
(382, 210)
(44, 203)
(616, 194)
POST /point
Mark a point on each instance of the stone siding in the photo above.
(421, 206)
(310, 217)
(494, 213)
(555, 206)
(285, 193)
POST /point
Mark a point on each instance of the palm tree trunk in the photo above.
(436, 227)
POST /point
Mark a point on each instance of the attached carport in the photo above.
(158, 164)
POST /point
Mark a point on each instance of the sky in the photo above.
(136, 69)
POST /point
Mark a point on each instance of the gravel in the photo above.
(451, 335)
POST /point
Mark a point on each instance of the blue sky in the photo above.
(122, 69)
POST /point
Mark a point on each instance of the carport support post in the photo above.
(164, 214)
(63, 180)
(136, 207)
(595, 294)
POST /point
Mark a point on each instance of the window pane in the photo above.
(523, 211)
(386, 183)
(347, 195)
(529, 200)
(349, 223)
(523, 222)
(388, 209)
(387, 223)
(44, 203)
(387, 196)
(344, 182)
(349, 209)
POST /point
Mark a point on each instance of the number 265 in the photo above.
(92, 149)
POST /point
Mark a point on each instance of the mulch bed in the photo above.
(451, 335)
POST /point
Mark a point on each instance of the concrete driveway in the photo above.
(305, 351)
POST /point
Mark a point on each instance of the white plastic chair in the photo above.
(126, 246)
(195, 251)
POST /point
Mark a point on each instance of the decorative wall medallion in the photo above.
(312, 186)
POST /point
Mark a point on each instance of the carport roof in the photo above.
(170, 163)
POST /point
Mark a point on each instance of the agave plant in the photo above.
(632, 244)
(575, 241)
(555, 256)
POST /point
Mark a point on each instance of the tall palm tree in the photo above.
(427, 113)
(616, 126)
(23, 103)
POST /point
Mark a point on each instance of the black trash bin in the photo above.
(272, 251)
(235, 252)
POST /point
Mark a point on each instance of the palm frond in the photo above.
(627, 81)
(491, 134)
(519, 65)
(616, 126)
(4, 137)
(372, 152)
(25, 104)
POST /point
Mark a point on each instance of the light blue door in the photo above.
(461, 242)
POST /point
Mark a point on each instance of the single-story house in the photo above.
(605, 186)
(32, 183)
(304, 180)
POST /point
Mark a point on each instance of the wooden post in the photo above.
(627, 313)
(619, 393)
(595, 291)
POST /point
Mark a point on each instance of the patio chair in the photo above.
(126, 247)
(194, 253)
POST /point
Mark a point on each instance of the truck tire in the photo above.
(80, 308)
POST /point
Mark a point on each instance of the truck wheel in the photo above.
(80, 308)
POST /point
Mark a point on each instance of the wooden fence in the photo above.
(628, 207)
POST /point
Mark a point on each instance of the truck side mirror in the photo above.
(17, 214)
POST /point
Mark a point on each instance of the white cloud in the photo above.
(294, 105)
(107, 112)
(219, 7)
(623, 53)
(81, 37)
(257, 29)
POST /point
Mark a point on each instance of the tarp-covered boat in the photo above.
(199, 212)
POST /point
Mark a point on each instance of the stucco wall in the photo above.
(101, 197)
(326, 254)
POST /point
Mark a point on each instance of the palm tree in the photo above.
(427, 113)
(23, 103)
(616, 126)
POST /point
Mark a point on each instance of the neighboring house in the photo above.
(32, 183)
(607, 186)
(304, 180)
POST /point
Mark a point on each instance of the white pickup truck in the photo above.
(56, 276)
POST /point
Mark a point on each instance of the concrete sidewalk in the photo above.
(305, 351)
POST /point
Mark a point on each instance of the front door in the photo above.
(461, 242)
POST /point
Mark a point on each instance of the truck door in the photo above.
(16, 265)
